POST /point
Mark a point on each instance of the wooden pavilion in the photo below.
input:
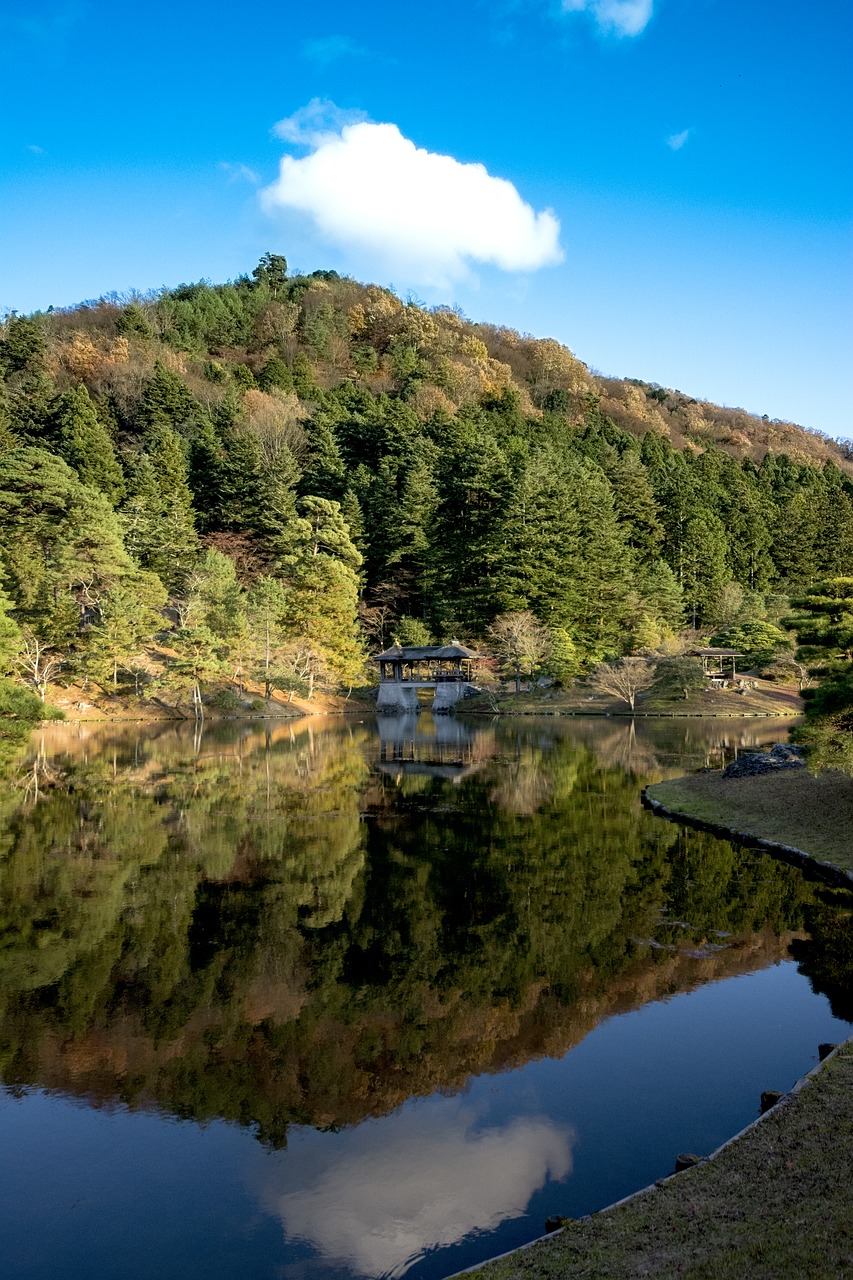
(449, 669)
(714, 663)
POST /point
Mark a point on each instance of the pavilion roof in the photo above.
(717, 653)
(398, 654)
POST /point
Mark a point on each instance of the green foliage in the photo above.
(158, 517)
(221, 921)
(824, 626)
(412, 633)
(271, 272)
(63, 543)
(134, 320)
(467, 473)
(10, 635)
(759, 643)
(226, 700)
(130, 615)
(320, 567)
(827, 736)
(677, 678)
(275, 374)
(85, 444)
(23, 344)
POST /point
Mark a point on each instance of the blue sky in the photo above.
(680, 170)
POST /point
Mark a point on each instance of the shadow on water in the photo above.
(323, 932)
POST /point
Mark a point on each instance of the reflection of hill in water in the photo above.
(261, 929)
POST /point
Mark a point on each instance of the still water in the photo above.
(339, 999)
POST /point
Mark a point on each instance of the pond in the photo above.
(354, 999)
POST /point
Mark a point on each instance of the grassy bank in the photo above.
(766, 699)
(94, 703)
(791, 807)
(774, 1204)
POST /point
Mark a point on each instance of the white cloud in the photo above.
(677, 140)
(37, 151)
(327, 49)
(321, 121)
(240, 172)
(616, 17)
(366, 186)
(377, 1198)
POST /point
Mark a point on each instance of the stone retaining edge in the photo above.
(827, 871)
(784, 1101)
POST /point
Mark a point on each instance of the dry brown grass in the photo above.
(766, 699)
(773, 1205)
(791, 807)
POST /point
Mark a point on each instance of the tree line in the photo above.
(258, 482)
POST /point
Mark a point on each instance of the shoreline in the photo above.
(580, 1248)
(790, 813)
(825, 870)
(297, 713)
(734, 1191)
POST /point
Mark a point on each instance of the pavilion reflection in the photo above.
(427, 746)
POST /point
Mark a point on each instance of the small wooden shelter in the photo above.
(448, 668)
(715, 662)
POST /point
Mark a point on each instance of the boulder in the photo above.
(752, 763)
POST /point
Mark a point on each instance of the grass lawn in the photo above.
(790, 807)
(766, 699)
(775, 1204)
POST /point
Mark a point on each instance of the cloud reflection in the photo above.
(376, 1198)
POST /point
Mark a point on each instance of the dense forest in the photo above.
(259, 482)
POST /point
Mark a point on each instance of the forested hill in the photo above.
(267, 457)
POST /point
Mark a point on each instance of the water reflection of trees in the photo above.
(258, 927)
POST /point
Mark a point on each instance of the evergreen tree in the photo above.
(167, 402)
(275, 375)
(63, 544)
(704, 569)
(324, 474)
(10, 635)
(635, 506)
(205, 477)
(796, 549)
(214, 598)
(473, 487)
(267, 609)
(85, 444)
(660, 595)
(129, 616)
(320, 570)
(158, 515)
(835, 524)
(199, 660)
(23, 345)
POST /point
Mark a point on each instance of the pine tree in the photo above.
(205, 477)
(267, 608)
(129, 616)
(85, 444)
(168, 402)
(474, 487)
(63, 546)
(324, 475)
(10, 635)
(704, 567)
(320, 570)
(635, 506)
(158, 516)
